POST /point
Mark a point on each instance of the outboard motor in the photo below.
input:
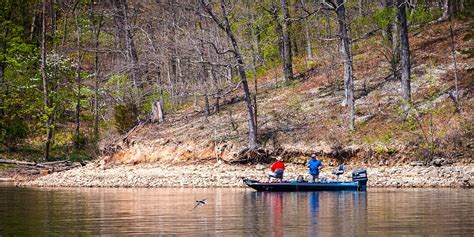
(360, 176)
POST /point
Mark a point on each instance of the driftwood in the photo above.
(54, 166)
(125, 138)
(17, 162)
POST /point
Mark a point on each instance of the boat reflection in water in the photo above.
(308, 213)
(313, 212)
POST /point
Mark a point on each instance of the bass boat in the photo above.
(359, 183)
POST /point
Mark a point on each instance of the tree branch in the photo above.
(217, 50)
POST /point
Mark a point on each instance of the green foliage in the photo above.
(468, 12)
(384, 17)
(12, 132)
(423, 14)
(120, 87)
(78, 156)
(79, 141)
(125, 116)
(384, 150)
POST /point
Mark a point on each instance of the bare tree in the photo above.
(390, 33)
(346, 52)
(404, 54)
(224, 24)
(97, 29)
(132, 56)
(309, 48)
(49, 116)
(453, 54)
(285, 26)
(78, 74)
(452, 7)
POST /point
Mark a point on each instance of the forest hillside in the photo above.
(307, 116)
(383, 82)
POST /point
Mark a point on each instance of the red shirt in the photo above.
(278, 165)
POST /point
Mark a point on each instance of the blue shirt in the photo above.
(313, 166)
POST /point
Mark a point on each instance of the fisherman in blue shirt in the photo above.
(315, 166)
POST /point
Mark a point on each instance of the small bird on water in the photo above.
(200, 202)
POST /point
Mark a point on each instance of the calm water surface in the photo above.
(235, 212)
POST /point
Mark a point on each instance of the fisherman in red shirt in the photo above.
(277, 169)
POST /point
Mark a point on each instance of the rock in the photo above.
(444, 162)
(416, 163)
(437, 162)
(34, 172)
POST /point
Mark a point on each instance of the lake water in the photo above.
(235, 212)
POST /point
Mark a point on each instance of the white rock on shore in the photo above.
(222, 175)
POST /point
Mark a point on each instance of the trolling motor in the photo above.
(360, 176)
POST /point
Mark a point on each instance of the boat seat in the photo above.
(278, 174)
(339, 171)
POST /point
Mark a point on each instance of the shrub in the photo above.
(125, 117)
(80, 141)
(12, 132)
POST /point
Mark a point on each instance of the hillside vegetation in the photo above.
(307, 116)
(139, 81)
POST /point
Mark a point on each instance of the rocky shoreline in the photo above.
(224, 175)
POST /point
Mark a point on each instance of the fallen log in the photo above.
(62, 162)
(16, 162)
(26, 163)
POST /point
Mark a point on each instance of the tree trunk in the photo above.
(285, 26)
(404, 54)
(255, 57)
(346, 54)
(395, 48)
(360, 7)
(452, 7)
(131, 52)
(225, 25)
(157, 112)
(2, 90)
(171, 77)
(206, 103)
(96, 80)
(33, 25)
(45, 83)
(391, 34)
(453, 53)
(279, 31)
(78, 82)
(309, 49)
(218, 92)
(255, 86)
(252, 141)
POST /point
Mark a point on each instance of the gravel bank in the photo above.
(222, 175)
